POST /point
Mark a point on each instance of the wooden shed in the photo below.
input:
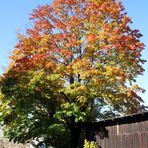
(122, 132)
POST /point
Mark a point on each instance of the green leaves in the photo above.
(70, 110)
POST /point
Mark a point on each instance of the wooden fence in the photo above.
(123, 132)
(133, 135)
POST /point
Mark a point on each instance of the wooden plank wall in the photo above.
(134, 135)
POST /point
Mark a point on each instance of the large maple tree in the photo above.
(77, 63)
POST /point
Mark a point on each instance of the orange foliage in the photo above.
(84, 41)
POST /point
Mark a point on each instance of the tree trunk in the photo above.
(75, 136)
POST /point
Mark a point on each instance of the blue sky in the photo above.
(14, 17)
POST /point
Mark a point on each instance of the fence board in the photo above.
(133, 135)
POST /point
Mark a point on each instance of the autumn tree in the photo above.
(77, 63)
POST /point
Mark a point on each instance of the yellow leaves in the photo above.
(90, 73)
(76, 89)
(136, 88)
(28, 42)
(16, 51)
(44, 39)
(81, 99)
(61, 69)
(82, 88)
(74, 21)
(68, 69)
(115, 72)
(84, 68)
(79, 92)
(2, 96)
(77, 9)
(72, 43)
(90, 144)
(80, 63)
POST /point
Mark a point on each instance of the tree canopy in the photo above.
(76, 64)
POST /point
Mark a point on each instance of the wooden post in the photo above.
(118, 131)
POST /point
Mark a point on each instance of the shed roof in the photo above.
(132, 118)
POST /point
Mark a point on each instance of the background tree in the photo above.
(78, 63)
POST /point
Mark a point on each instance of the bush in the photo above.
(89, 144)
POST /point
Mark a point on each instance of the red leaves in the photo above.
(139, 44)
(61, 52)
(41, 11)
(72, 2)
(56, 3)
(60, 24)
(31, 61)
(32, 32)
(40, 56)
(59, 35)
(91, 37)
(42, 25)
